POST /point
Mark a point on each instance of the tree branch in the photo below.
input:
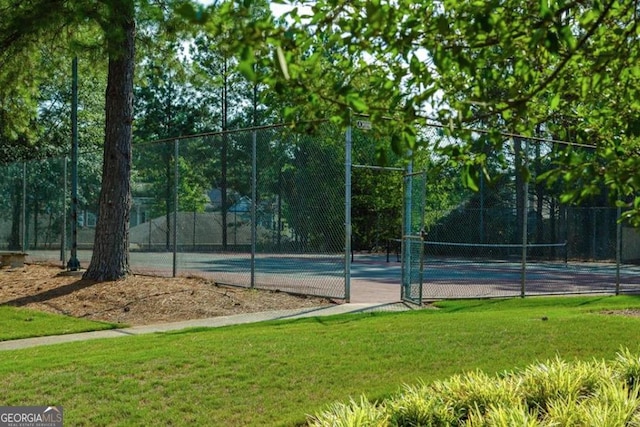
(551, 77)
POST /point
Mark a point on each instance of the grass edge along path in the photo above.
(18, 323)
(277, 373)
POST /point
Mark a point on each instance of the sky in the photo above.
(276, 9)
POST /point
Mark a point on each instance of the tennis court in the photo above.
(374, 279)
(452, 278)
(467, 278)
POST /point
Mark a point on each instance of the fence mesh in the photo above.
(200, 207)
(195, 196)
(513, 237)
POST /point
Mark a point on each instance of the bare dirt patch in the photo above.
(136, 300)
(632, 312)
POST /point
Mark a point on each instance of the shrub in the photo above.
(554, 393)
(363, 413)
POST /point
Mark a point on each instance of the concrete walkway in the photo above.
(213, 322)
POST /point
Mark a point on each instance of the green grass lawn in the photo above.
(16, 323)
(276, 373)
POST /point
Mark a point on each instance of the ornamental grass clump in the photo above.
(475, 392)
(418, 405)
(353, 414)
(612, 404)
(627, 365)
(502, 416)
(543, 383)
(554, 393)
(450, 402)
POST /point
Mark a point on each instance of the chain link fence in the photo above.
(257, 208)
(513, 237)
(265, 208)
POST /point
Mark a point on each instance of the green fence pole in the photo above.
(63, 231)
(74, 264)
(176, 178)
(347, 216)
(618, 249)
(24, 207)
(254, 200)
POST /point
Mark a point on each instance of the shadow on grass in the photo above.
(455, 305)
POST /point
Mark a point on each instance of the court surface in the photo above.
(373, 279)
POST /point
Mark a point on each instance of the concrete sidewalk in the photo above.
(214, 322)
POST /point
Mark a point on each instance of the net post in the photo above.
(388, 249)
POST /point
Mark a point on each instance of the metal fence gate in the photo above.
(412, 238)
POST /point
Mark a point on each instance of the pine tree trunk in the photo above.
(110, 260)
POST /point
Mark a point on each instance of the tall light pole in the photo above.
(74, 264)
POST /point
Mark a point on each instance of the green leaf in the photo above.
(470, 178)
(247, 63)
(442, 24)
(356, 102)
(633, 127)
(196, 15)
(551, 43)
(555, 101)
(282, 62)
(545, 10)
(396, 144)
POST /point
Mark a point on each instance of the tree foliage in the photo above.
(569, 69)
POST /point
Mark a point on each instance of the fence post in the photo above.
(74, 264)
(618, 248)
(63, 233)
(347, 215)
(176, 177)
(254, 197)
(254, 185)
(406, 231)
(525, 222)
(525, 225)
(24, 207)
